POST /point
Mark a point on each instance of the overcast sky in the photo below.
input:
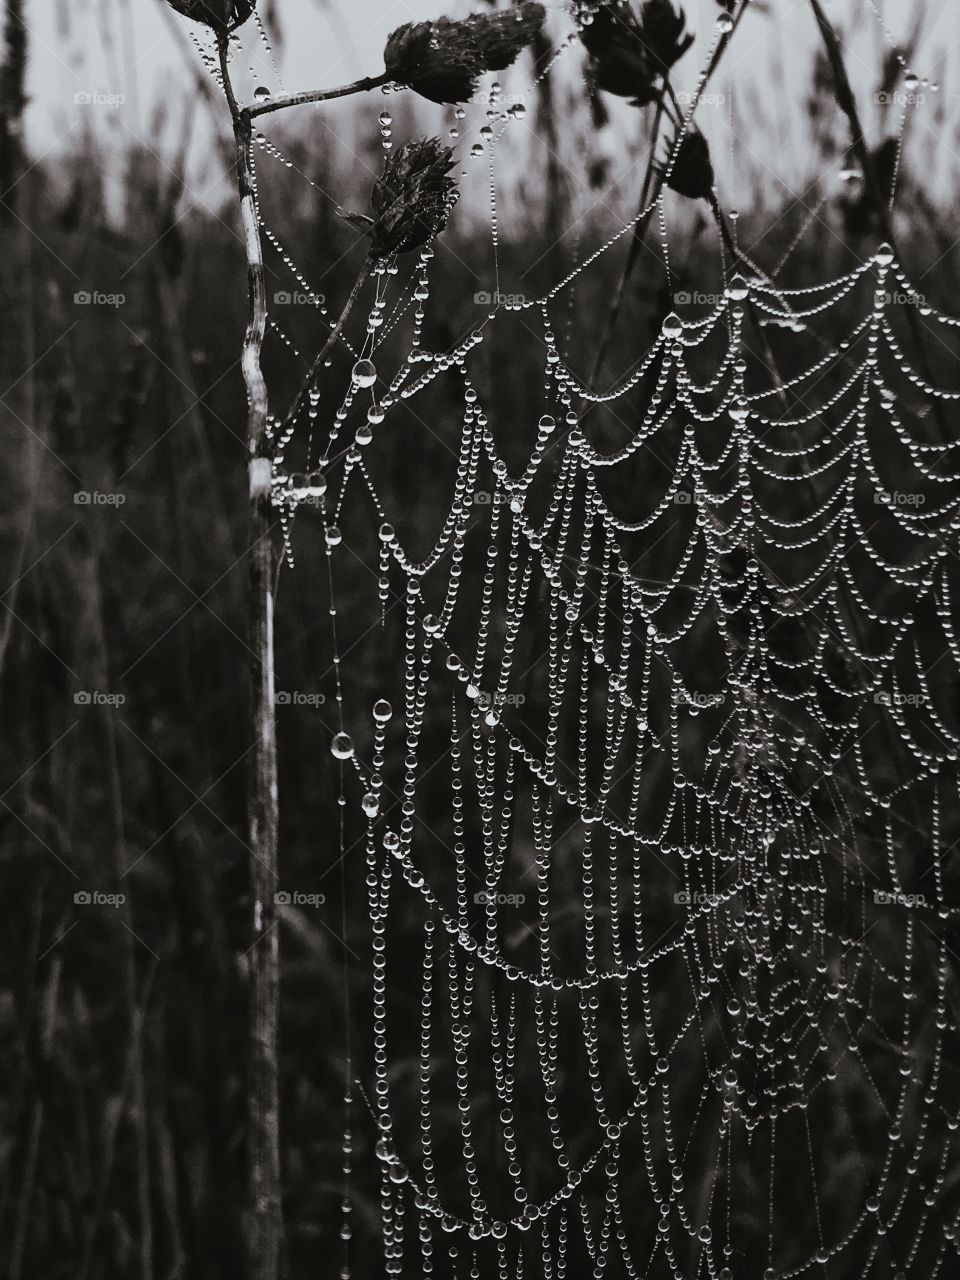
(129, 57)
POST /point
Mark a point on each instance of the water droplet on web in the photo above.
(370, 804)
(261, 92)
(725, 24)
(884, 255)
(341, 748)
(364, 373)
(737, 289)
(672, 326)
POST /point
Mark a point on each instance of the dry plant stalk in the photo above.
(264, 1223)
(411, 202)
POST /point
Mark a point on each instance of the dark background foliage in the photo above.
(122, 1028)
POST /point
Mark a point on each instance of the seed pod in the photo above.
(692, 172)
(665, 33)
(411, 199)
(221, 15)
(630, 53)
(441, 60)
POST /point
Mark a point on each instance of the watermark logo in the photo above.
(899, 298)
(94, 898)
(94, 498)
(884, 699)
(683, 498)
(512, 301)
(94, 98)
(96, 298)
(897, 498)
(485, 899)
(98, 698)
(698, 299)
(686, 98)
(885, 899)
(681, 698)
(298, 698)
(503, 100)
(684, 899)
(295, 898)
(899, 98)
(501, 700)
(299, 299)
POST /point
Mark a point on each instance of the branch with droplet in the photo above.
(440, 60)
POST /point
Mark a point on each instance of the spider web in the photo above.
(659, 788)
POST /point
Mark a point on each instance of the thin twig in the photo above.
(282, 100)
(332, 337)
(264, 1225)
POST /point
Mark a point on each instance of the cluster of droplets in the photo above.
(780, 1052)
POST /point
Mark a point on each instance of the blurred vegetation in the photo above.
(122, 1027)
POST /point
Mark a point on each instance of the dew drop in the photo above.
(364, 373)
(672, 326)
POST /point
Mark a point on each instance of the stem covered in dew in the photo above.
(332, 337)
(264, 1222)
(278, 102)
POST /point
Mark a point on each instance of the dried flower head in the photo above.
(222, 15)
(411, 199)
(665, 32)
(630, 53)
(441, 60)
(692, 172)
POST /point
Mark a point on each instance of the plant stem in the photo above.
(640, 230)
(281, 100)
(264, 1223)
(333, 335)
(636, 243)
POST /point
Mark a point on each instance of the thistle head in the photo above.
(628, 52)
(221, 15)
(441, 60)
(412, 198)
(691, 173)
(665, 33)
